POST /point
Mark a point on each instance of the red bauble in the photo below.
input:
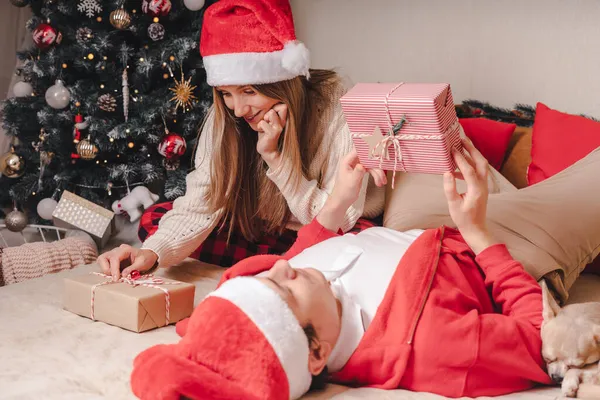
(45, 35)
(172, 146)
(156, 8)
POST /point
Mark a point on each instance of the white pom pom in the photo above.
(296, 58)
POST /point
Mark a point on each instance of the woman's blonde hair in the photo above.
(250, 201)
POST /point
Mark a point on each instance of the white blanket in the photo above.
(48, 353)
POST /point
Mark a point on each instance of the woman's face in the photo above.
(247, 103)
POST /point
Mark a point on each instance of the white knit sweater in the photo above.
(183, 229)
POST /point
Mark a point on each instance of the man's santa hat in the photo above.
(241, 342)
(248, 42)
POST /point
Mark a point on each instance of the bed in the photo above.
(49, 353)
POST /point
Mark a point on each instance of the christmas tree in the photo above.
(111, 97)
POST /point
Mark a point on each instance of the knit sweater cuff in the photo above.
(159, 245)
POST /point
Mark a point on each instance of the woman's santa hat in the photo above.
(242, 342)
(249, 42)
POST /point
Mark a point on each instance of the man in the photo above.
(443, 310)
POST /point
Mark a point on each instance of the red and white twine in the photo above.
(136, 280)
(380, 152)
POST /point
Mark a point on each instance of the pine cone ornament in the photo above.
(84, 35)
(107, 103)
(156, 31)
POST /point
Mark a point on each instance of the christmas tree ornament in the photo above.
(125, 84)
(120, 19)
(89, 7)
(86, 149)
(45, 35)
(156, 31)
(19, 3)
(58, 96)
(42, 138)
(193, 5)
(171, 165)
(156, 8)
(46, 207)
(184, 93)
(84, 35)
(172, 146)
(80, 124)
(107, 103)
(22, 89)
(15, 221)
(134, 203)
(12, 165)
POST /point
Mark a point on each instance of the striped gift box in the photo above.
(426, 126)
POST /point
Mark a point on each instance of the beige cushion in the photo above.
(518, 157)
(553, 227)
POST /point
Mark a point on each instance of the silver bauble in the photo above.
(193, 5)
(46, 207)
(22, 89)
(15, 221)
(58, 96)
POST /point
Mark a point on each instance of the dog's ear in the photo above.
(549, 305)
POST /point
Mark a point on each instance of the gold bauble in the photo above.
(120, 18)
(12, 165)
(86, 149)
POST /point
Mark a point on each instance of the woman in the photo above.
(267, 153)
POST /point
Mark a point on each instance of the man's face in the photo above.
(309, 296)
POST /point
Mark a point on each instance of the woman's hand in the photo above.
(141, 260)
(468, 210)
(348, 181)
(270, 128)
(346, 190)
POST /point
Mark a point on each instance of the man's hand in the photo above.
(468, 210)
(345, 192)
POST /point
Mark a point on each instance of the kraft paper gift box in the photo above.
(409, 127)
(75, 212)
(137, 305)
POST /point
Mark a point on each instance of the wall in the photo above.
(504, 52)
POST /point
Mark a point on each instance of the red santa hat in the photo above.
(248, 42)
(242, 342)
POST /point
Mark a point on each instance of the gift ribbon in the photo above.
(392, 137)
(135, 279)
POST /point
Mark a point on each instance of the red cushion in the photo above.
(491, 138)
(558, 141)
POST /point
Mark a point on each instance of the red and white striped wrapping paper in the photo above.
(426, 139)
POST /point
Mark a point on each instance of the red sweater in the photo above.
(450, 323)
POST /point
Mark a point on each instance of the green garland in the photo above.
(520, 114)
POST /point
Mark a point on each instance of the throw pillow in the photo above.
(491, 138)
(559, 140)
(551, 227)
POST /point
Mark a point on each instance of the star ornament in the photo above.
(376, 139)
(184, 93)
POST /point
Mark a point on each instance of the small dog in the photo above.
(571, 342)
